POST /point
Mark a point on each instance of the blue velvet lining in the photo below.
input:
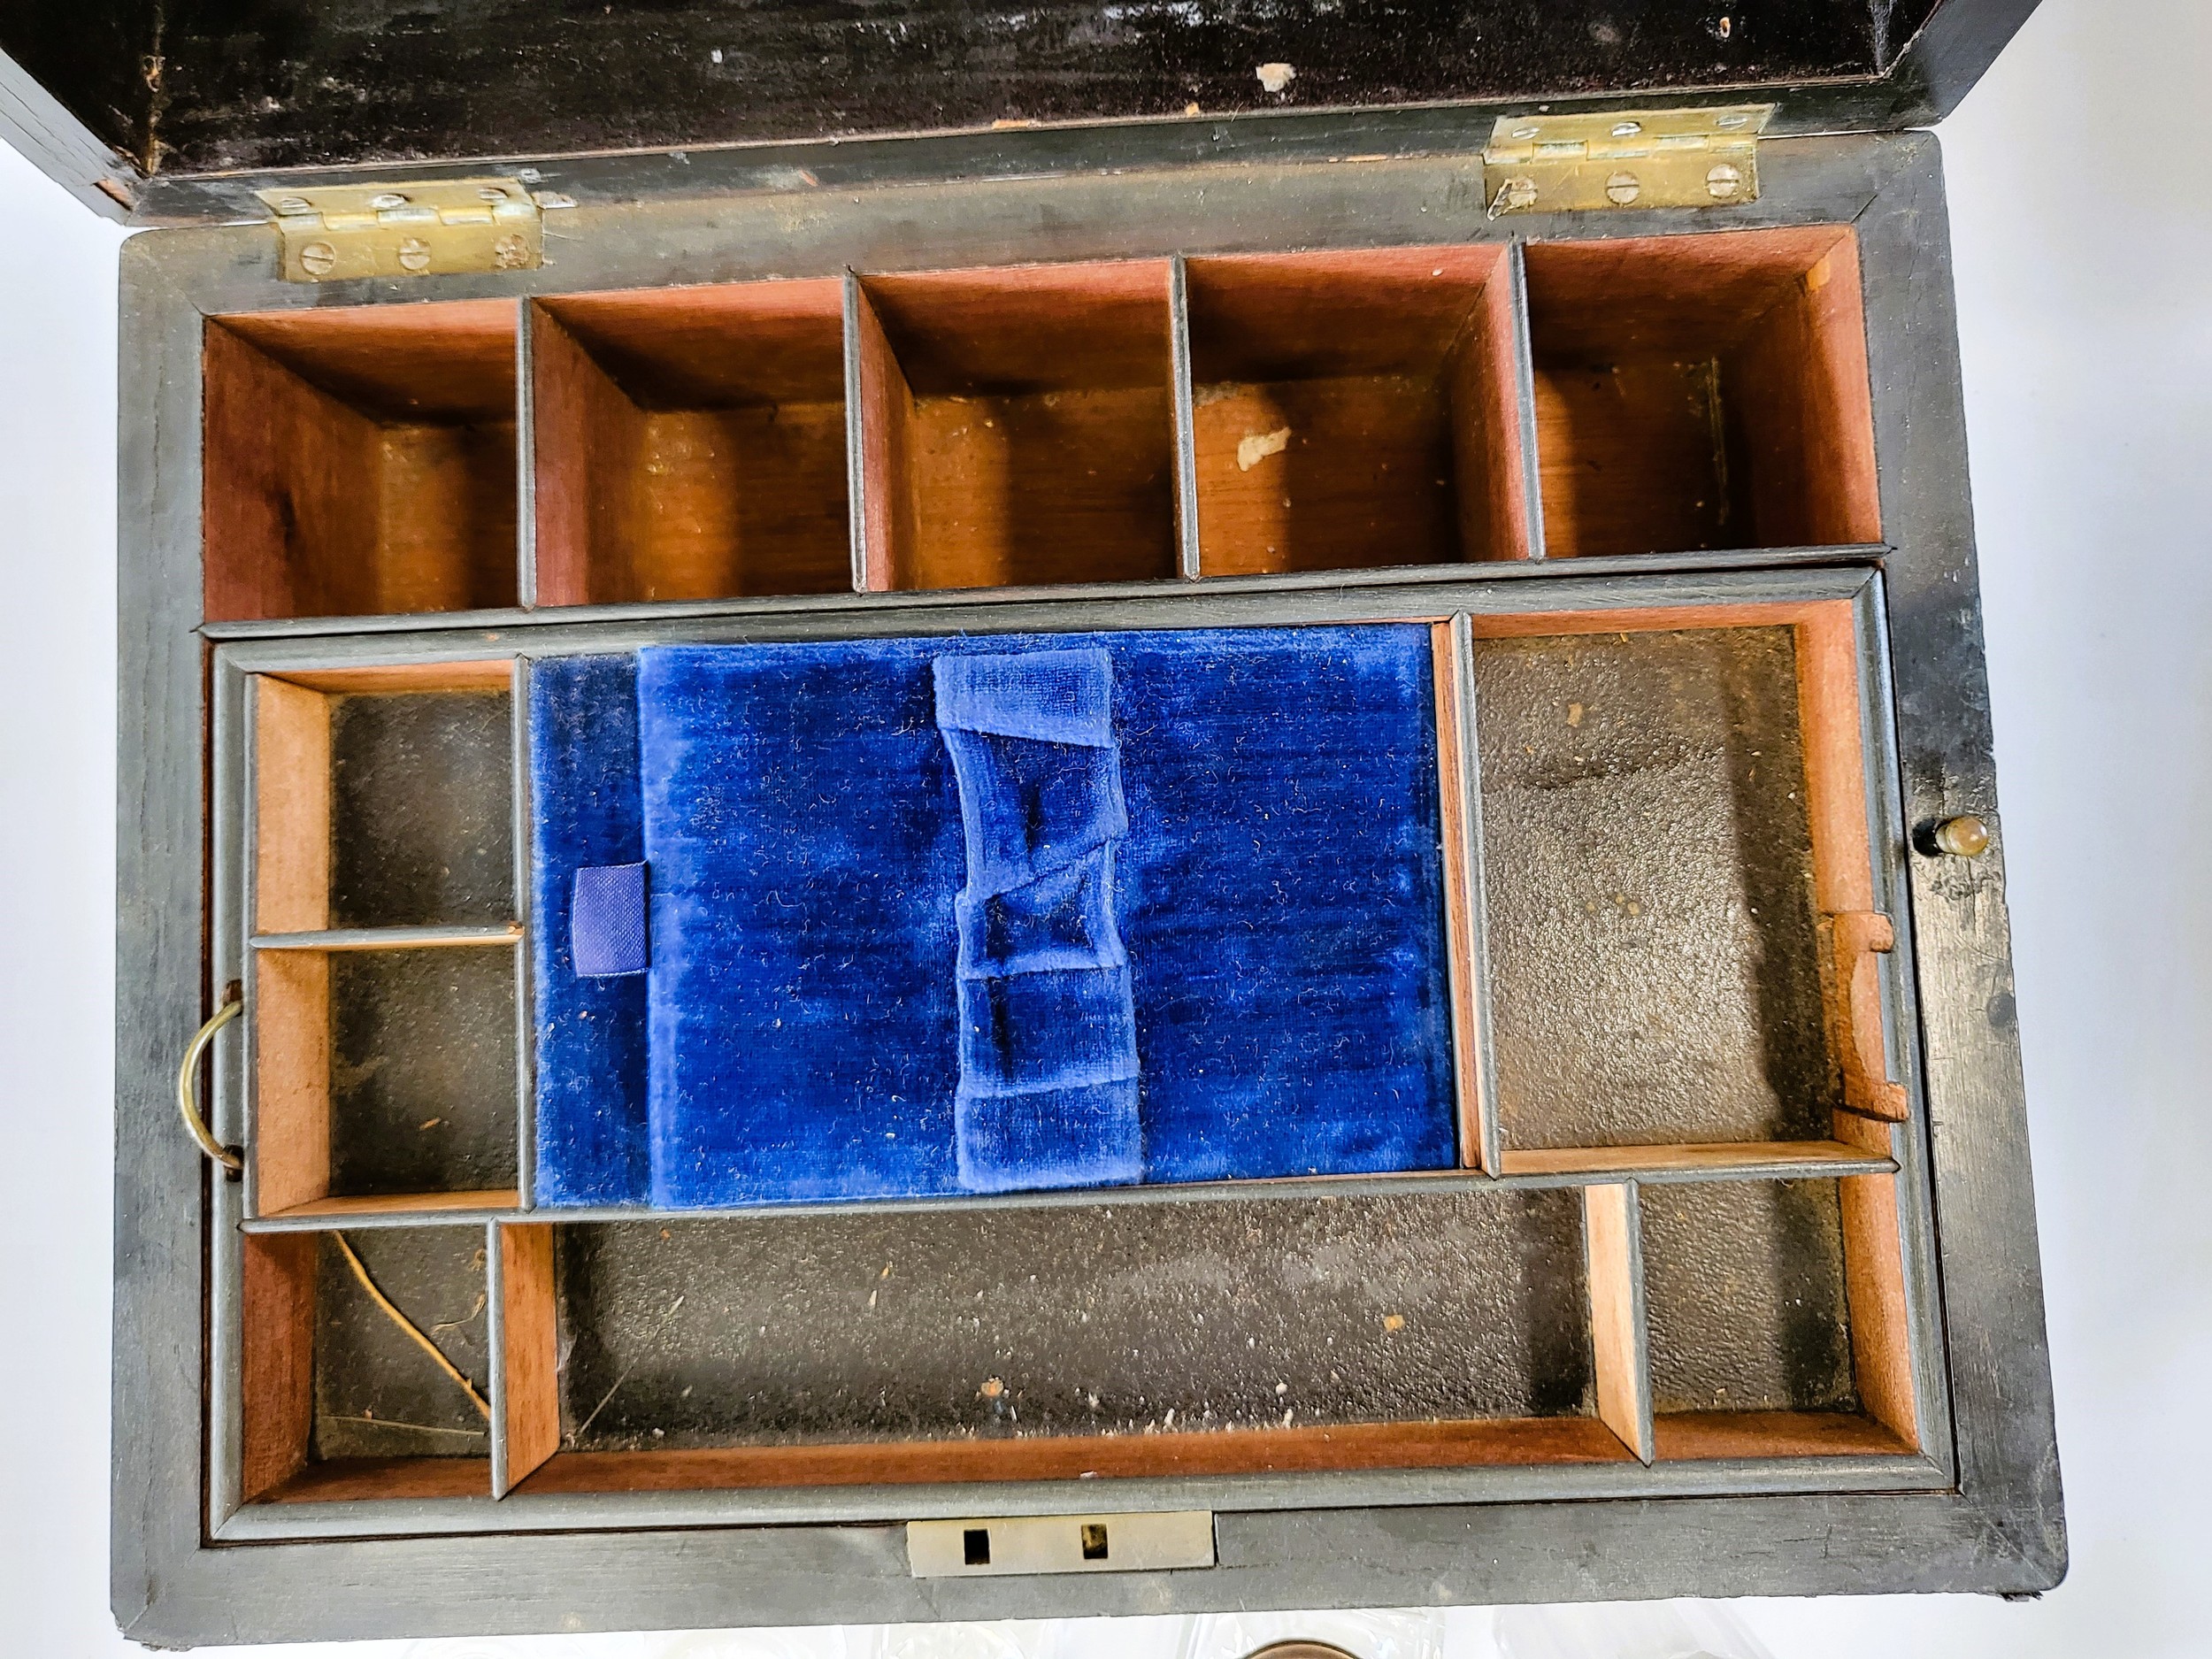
(591, 1058)
(1274, 906)
(1048, 1092)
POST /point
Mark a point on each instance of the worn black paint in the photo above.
(230, 84)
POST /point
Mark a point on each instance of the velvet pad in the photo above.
(585, 813)
(1270, 893)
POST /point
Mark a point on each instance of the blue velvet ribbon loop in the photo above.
(1049, 1089)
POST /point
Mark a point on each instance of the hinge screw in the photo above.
(1730, 123)
(318, 258)
(1963, 837)
(491, 193)
(390, 199)
(1724, 182)
(414, 255)
(1525, 133)
(1622, 188)
(1628, 129)
(296, 204)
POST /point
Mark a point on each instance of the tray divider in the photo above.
(1875, 1292)
(1185, 434)
(526, 455)
(582, 424)
(879, 408)
(1619, 1336)
(1459, 779)
(526, 1395)
(526, 980)
(1528, 477)
(276, 1371)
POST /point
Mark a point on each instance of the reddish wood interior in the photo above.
(1702, 391)
(359, 460)
(690, 443)
(1018, 426)
(1355, 409)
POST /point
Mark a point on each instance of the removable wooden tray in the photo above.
(1652, 953)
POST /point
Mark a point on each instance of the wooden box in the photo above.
(1643, 408)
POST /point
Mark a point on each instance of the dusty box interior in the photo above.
(1675, 1234)
(341, 1401)
(1654, 937)
(1097, 1321)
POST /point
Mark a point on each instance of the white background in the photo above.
(2082, 215)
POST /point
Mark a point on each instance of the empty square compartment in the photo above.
(1702, 391)
(385, 798)
(1650, 889)
(690, 443)
(360, 460)
(385, 1079)
(1017, 427)
(1355, 409)
(1224, 1337)
(336, 1401)
(1745, 1298)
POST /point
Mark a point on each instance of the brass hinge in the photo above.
(1553, 163)
(417, 228)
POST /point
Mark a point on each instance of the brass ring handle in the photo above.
(188, 1103)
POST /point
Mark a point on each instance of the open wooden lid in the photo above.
(175, 112)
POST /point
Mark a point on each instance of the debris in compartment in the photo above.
(1275, 77)
(1255, 447)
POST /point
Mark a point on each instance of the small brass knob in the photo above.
(1963, 837)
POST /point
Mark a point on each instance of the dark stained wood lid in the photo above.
(107, 94)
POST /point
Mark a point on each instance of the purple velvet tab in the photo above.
(606, 929)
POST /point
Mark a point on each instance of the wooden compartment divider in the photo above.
(526, 1349)
(1466, 943)
(1613, 1242)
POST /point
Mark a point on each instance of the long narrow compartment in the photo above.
(360, 460)
(1422, 1330)
(1702, 391)
(385, 949)
(1017, 426)
(1356, 409)
(690, 443)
